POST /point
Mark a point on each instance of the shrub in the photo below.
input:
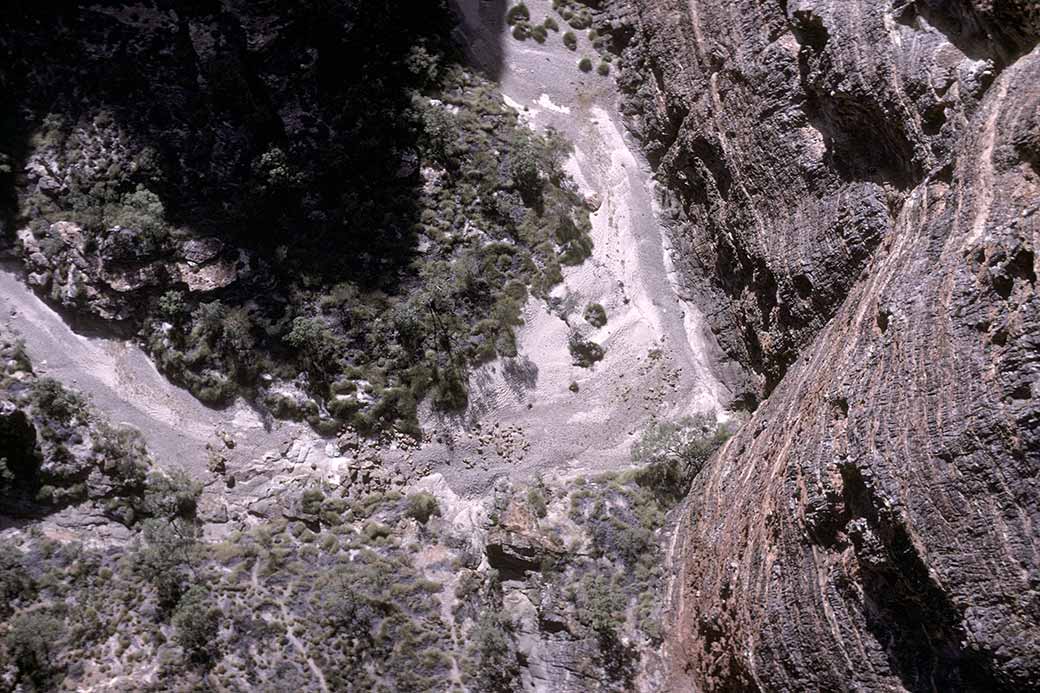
(551, 24)
(585, 65)
(524, 168)
(595, 315)
(375, 530)
(55, 401)
(141, 210)
(584, 352)
(674, 452)
(539, 34)
(518, 13)
(536, 499)
(421, 506)
(570, 40)
(603, 69)
(311, 500)
(601, 605)
(172, 306)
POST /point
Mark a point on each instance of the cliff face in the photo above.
(855, 186)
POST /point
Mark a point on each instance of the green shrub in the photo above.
(570, 40)
(141, 210)
(674, 452)
(311, 500)
(172, 306)
(518, 13)
(600, 603)
(375, 530)
(536, 500)
(584, 353)
(585, 65)
(603, 69)
(595, 315)
(539, 33)
(551, 24)
(57, 402)
(422, 506)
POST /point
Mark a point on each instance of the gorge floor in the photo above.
(524, 418)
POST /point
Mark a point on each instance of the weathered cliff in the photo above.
(855, 186)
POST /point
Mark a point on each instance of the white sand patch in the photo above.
(545, 101)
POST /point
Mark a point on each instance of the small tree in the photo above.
(15, 581)
(196, 624)
(674, 452)
(172, 496)
(491, 648)
(165, 559)
(32, 641)
(337, 602)
(524, 166)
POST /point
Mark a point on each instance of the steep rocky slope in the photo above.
(855, 186)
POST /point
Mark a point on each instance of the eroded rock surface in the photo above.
(855, 186)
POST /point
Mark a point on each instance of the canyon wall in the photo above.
(854, 190)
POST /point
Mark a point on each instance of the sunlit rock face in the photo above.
(855, 192)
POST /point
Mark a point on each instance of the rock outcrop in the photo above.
(856, 191)
(57, 451)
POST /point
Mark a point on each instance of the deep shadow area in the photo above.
(291, 202)
(1000, 31)
(268, 124)
(482, 26)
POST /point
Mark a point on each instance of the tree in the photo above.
(491, 648)
(15, 582)
(316, 344)
(165, 559)
(674, 452)
(343, 608)
(196, 624)
(33, 638)
(172, 496)
(525, 166)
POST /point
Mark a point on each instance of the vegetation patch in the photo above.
(341, 284)
(595, 315)
(585, 353)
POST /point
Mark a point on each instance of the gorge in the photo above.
(560, 346)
